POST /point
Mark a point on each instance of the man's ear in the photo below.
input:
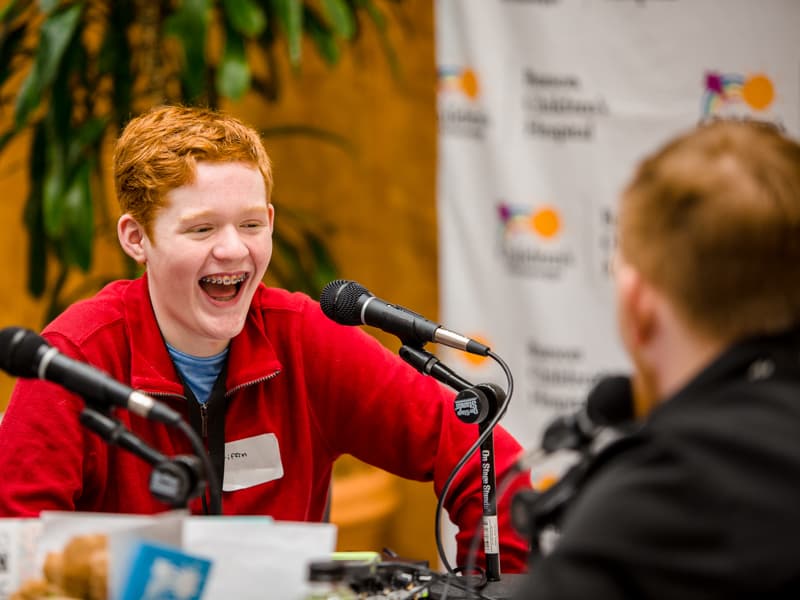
(131, 237)
(638, 301)
(271, 216)
(639, 320)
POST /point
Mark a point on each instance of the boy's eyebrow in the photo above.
(201, 214)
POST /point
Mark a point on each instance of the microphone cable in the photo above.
(609, 407)
(467, 455)
(212, 482)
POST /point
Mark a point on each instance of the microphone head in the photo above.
(610, 402)
(19, 349)
(340, 301)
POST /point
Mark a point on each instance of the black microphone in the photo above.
(609, 403)
(349, 303)
(23, 353)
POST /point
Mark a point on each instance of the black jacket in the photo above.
(702, 502)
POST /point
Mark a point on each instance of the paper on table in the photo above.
(18, 543)
(257, 553)
(248, 553)
(166, 528)
(59, 527)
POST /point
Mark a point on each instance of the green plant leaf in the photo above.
(56, 306)
(10, 46)
(233, 75)
(14, 9)
(54, 180)
(374, 13)
(33, 216)
(58, 132)
(189, 24)
(286, 268)
(245, 17)
(114, 58)
(290, 13)
(59, 109)
(301, 260)
(341, 18)
(6, 136)
(75, 81)
(325, 269)
(56, 33)
(379, 20)
(86, 136)
(48, 6)
(323, 38)
(79, 219)
(37, 244)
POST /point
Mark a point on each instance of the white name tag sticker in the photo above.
(251, 461)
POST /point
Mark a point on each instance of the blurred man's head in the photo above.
(711, 222)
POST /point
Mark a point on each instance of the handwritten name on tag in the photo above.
(251, 461)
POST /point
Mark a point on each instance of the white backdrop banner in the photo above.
(545, 107)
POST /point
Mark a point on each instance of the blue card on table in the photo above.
(160, 572)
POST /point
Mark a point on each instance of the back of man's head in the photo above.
(713, 221)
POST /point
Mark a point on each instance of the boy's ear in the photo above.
(131, 237)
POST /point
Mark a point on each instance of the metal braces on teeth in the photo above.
(226, 280)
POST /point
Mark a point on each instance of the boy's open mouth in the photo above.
(223, 288)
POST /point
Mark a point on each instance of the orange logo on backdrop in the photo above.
(723, 89)
(544, 221)
(459, 80)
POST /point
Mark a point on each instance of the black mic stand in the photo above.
(173, 481)
(473, 404)
(479, 404)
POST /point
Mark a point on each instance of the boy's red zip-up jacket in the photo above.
(322, 389)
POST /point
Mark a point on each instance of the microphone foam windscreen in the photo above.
(610, 402)
(7, 344)
(18, 350)
(339, 301)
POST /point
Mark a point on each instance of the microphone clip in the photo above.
(177, 480)
(477, 403)
(173, 480)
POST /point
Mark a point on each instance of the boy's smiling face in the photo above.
(210, 248)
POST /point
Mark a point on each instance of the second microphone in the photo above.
(349, 303)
